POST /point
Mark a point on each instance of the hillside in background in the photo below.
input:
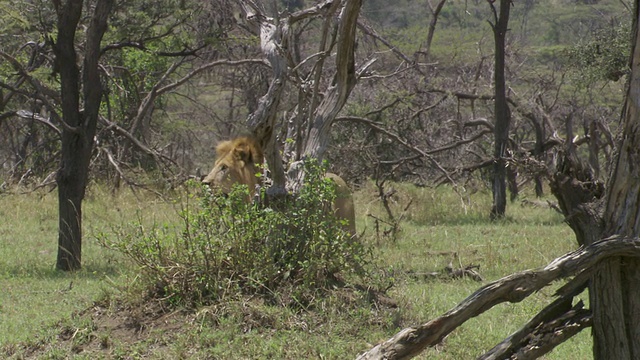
(539, 30)
(533, 23)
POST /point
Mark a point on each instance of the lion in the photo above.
(238, 161)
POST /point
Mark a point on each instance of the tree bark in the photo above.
(615, 288)
(340, 89)
(275, 43)
(579, 197)
(79, 125)
(502, 112)
(335, 96)
(262, 121)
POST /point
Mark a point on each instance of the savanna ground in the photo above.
(100, 312)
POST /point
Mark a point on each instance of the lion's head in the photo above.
(237, 162)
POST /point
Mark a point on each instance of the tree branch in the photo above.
(110, 125)
(513, 288)
(419, 152)
(311, 11)
(29, 115)
(371, 32)
(550, 327)
(42, 92)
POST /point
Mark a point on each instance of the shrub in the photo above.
(228, 247)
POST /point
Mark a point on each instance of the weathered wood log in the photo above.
(513, 288)
(449, 272)
(579, 197)
(549, 328)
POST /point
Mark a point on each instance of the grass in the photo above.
(94, 313)
(442, 229)
(35, 294)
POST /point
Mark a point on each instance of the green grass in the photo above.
(38, 304)
(34, 294)
(442, 228)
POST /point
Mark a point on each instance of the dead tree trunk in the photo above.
(262, 121)
(317, 106)
(335, 96)
(338, 92)
(615, 288)
(502, 112)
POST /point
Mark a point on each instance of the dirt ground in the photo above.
(106, 332)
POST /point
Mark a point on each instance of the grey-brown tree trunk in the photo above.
(318, 113)
(79, 120)
(615, 288)
(502, 113)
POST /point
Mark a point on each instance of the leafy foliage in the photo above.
(605, 57)
(229, 247)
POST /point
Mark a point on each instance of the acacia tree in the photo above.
(81, 95)
(78, 101)
(86, 106)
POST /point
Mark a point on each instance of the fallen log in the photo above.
(513, 288)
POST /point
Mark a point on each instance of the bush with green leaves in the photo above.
(227, 247)
(604, 57)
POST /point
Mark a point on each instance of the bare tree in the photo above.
(607, 226)
(502, 112)
(322, 90)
